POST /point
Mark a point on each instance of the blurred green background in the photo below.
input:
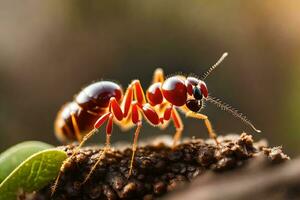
(49, 50)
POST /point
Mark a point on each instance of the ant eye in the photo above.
(203, 89)
(193, 105)
(197, 93)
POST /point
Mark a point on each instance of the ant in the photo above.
(104, 101)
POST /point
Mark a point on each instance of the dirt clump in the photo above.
(158, 169)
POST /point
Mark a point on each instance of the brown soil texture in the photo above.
(158, 169)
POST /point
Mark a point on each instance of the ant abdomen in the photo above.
(97, 95)
(65, 129)
(77, 118)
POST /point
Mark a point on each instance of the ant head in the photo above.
(198, 91)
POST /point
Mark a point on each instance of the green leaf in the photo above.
(33, 174)
(13, 156)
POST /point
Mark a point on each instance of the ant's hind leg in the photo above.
(98, 124)
(208, 125)
(84, 139)
(114, 111)
(109, 128)
(158, 76)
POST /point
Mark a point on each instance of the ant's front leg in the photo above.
(208, 125)
(171, 113)
(178, 125)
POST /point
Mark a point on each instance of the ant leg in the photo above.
(99, 122)
(178, 125)
(208, 125)
(115, 110)
(134, 146)
(85, 138)
(171, 112)
(76, 128)
(126, 103)
(109, 128)
(135, 119)
(158, 76)
(136, 88)
(150, 115)
(139, 93)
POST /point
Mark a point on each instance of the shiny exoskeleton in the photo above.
(77, 118)
(104, 101)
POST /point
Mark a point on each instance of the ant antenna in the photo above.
(211, 69)
(231, 110)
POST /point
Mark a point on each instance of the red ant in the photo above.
(104, 101)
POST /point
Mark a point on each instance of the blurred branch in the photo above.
(271, 182)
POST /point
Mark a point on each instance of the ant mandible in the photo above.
(104, 101)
